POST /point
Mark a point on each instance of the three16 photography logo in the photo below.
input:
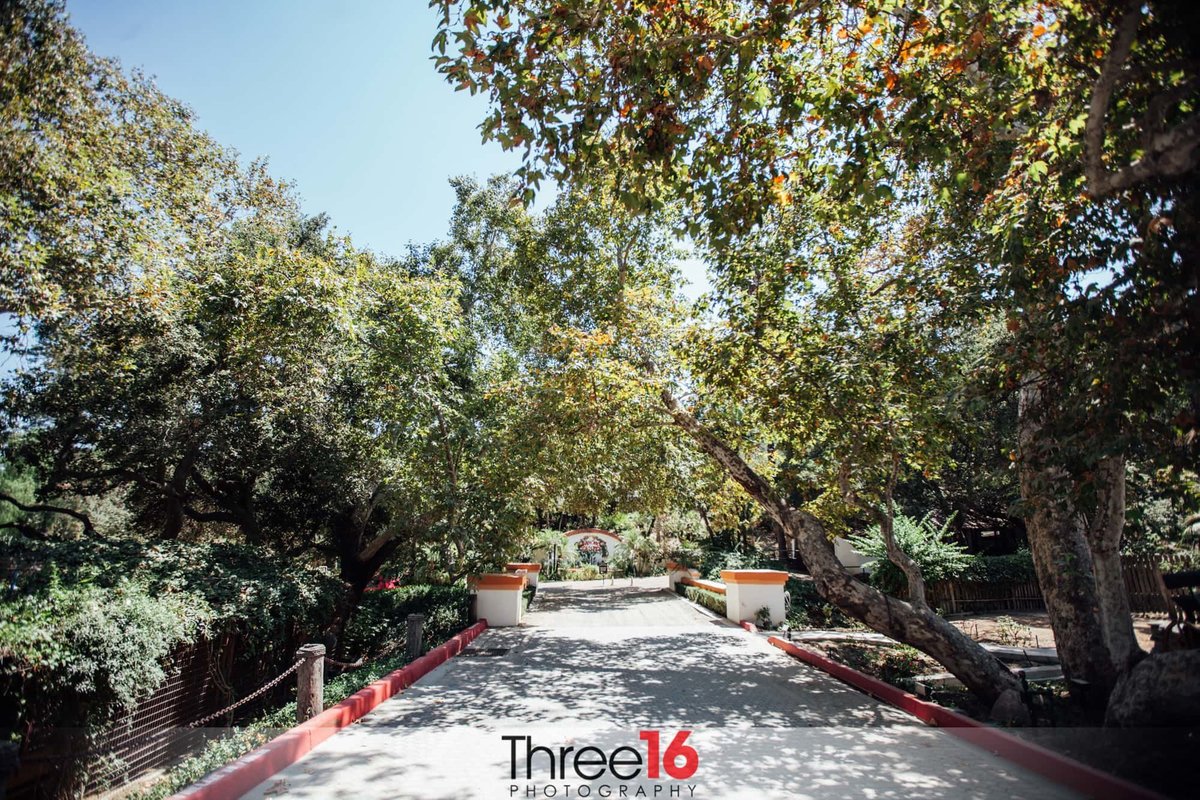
(644, 768)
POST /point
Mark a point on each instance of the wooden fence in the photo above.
(1141, 583)
(201, 678)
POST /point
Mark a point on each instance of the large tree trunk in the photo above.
(1062, 559)
(358, 563)
(781, 541)
(917, 626)
(1163, 690)
(912, 571)
(1104, 538)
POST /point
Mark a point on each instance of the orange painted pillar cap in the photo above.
(762, 577)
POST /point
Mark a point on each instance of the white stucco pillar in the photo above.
(498, 598)
(748, 590)
(531, 571)
(677, 572)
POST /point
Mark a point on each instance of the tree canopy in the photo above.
(871, 183)
(952, 251)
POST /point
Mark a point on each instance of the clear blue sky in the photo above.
(340, 96)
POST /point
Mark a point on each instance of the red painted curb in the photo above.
(1035, 758)
(234, 780)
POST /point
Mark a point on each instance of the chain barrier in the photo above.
(191, 726)
(170, 732)
(259, 692)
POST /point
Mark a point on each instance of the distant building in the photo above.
(594, 545)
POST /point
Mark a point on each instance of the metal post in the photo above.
(310, 682)
(416, 628)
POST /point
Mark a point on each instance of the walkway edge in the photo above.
(1035, 758)
(242, 775)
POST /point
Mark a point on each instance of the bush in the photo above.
(65, 649)
(382, 617)
(86, 628)
(637, 554)
(710, 600)
(1014, 568)
(810, 610)
(261, 597)
(895, 665)
(713, 561)
(926, 543)
(587, 572)
(689, 556)
(547, 541)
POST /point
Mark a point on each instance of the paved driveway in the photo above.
(595, 666)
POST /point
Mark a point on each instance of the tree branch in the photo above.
(1102, 92)
(886, 520)
(43, 508)
(738, 469)
(372, 547)
(1169, 153)
(911, 569)
(212, 516)
(982, 672)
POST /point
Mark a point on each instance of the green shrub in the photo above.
(1011, 633)
(1014, 568)
(66, 649)
(895, 665)
(382, 617)
(587, 572)
(86, 628)
(261, 597)
(548, 541)
(710, 600)
(926, 543)
(713, 561)
(810, 610)
(639, 552)
(690, 556)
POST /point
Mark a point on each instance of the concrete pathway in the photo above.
(595, 665)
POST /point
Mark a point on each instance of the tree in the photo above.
(846, 372)
(203, 353)
(284, 389)
(866, 415)
(977, 489)
(995, 124)
(101, 175)
(553, 292)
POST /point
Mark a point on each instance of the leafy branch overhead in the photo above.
(903, 207)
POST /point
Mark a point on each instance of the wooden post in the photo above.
(416, 628)
(310, 682)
